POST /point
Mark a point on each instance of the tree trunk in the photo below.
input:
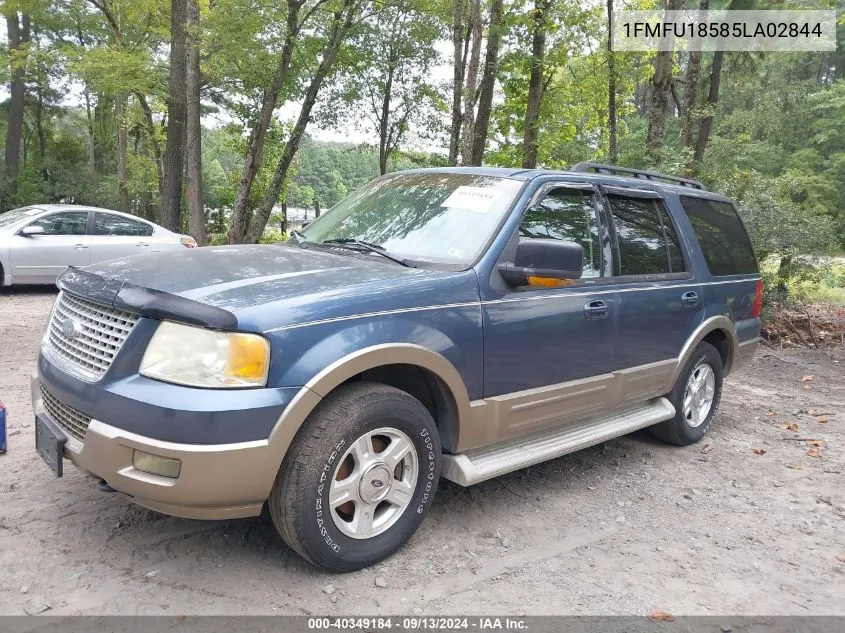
(488, 83)
(39, 123)
(458, 67)
(120, 115)
(342, 23)
(174, 152)
(535, 85)
(470, 91)
(384, 119)
(712, 100)
(196, 209)
(18, 33)
(661, 86)
(691, 92)
(613, 148)
(258, 134)
(151, 132)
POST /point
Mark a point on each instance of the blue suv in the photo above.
(458, 323)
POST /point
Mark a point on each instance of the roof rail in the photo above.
(642, 174)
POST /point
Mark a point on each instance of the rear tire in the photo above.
(359, 477)
(696, 397)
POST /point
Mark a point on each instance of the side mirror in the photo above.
(544, 262)
(29, 231)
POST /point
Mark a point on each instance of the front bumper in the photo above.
(216, 481)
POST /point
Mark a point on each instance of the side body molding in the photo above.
(480, 423)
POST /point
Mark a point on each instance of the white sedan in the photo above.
(38, 242)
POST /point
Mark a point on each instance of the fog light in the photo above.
(156, 465)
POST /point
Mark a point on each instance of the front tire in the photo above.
(359, 478)
(696, 397)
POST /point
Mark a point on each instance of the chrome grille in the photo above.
(69, 419)
(99, 333)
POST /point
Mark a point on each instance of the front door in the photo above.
(40, 258)
(548, 351)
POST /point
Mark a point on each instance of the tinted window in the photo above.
(66, 223)
(108, 224)
(566, 214)
(648, 242)
(727, 249)
(673, 244)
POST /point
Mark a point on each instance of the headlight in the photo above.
(199, 357)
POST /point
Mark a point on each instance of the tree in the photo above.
(385, 79)
(249, 229)
(536, 82)
(173, 163)
(488, 82)
(613, 146)
(661, 86)
(18, 30)
(691, 94)
(193, 149)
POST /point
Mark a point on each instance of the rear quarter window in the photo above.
(726, 246)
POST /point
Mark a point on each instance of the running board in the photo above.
(474, 467)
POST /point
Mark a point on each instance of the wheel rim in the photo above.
(698, 395)
(373, 483)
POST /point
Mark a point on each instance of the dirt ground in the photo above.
(623, 528)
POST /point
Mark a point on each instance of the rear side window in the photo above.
(108, 224)
(648, 242)
(727, 249)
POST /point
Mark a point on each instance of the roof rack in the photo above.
(642, 174)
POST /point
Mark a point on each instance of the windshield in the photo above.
(16, 215)
(436, 217)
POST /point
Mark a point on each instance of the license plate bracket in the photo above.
(50, 443)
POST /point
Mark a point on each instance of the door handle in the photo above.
(142, 244)
(80, 247)
(689, 298)
(595, 309)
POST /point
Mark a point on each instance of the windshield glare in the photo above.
(16, 215)
(436, 217)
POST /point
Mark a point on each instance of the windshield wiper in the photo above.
(354, 243)
(301, 240)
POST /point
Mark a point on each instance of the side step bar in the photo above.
(474, 467)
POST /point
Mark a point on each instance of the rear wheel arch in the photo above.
(719, 331)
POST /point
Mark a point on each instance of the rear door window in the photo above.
(726, 246)
(110, 224)
(648, 241)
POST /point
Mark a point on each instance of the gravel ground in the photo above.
(745, 523)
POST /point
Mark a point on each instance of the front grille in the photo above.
(69, 419)
(98, 335)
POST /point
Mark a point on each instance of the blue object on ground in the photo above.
(2, 428)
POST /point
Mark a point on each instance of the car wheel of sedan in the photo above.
(696, 397)
(359, 478)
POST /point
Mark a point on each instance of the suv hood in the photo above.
(234, 286)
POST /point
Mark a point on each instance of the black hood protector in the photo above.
(154, 304)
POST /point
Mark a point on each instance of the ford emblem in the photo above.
(70, 328)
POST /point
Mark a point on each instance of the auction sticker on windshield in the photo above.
(478, 199)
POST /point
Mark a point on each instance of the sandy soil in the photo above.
(622, 528)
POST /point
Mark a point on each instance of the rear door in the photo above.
(117, 236)
(39, 259)
(660, 303)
